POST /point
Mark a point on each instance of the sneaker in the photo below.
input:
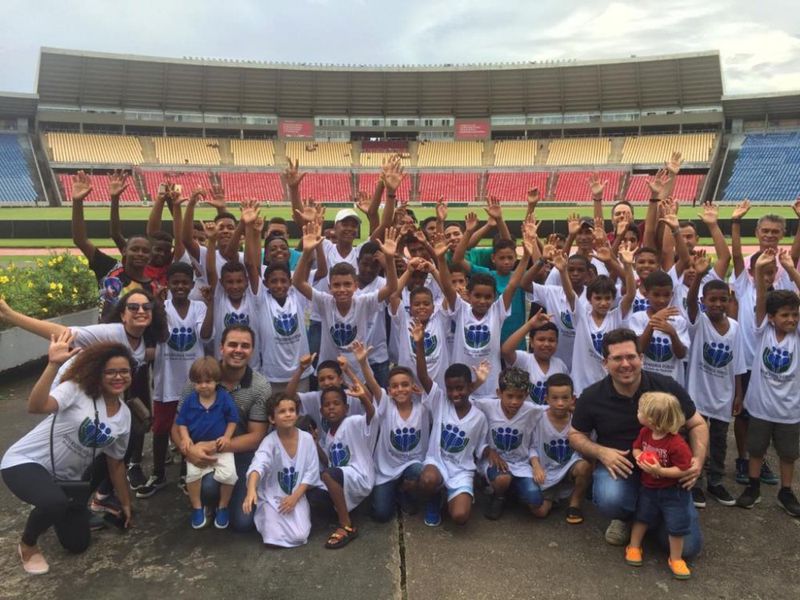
(35, 565)
(749, 498)
(153, 484)
(698, 497)
(767, 476)
(721, 495)
(433, 513)
(679, 569)
(105, 504)
(618, 532)
(136, 478)
(169, 459)
(788, 502)
(633, 556)
(182, 485)
(96, 522)
(222, 518)
(198, 518)
(741, 471)
(495, 508)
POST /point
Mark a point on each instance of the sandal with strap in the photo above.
(337, 539)
(574, 515)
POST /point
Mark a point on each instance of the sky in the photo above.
(759, 41)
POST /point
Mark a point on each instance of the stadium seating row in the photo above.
(767, 168)
(16, 185)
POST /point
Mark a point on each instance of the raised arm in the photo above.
(670, 220)
(157, 211)
(440, 250)
(516, 278)
(305, 362)
(293, 177)
(361, 354)
(657, 184)
(736, 236)
(470, 228)
(177, 228)
(626, 252)
(311, 239)
(795, 251)
(692, 304)
(40, 402)
(254, 225)
(81, 187)
(787, 262)
(369, 207)
(710, 216)
(388, 248)
(509, 348)
(495, 213)
(117, 183)
(192, 247)
(392, 176)
(597, 185)
(212, 234)
(560, 263)
(44, 329)
(417, 331)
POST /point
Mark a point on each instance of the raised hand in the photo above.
(199, 194)
(597, 185)
(710, 213)
(700, 261)
(310, 210)
(207, 294)
(441, 209)
(389, 245)
(603, 252)
(658, 182)
(539, 319)
(59, 351)
(622, 225)
(356, 390)
(394, 175)
(249, 211)
(117, 183)
(439, 244)
(534, 197)
(560, 261)
(529, 234)
(674, 163)
(669, 216)
(767, 257)
(312, 236)
(360, 350)
(217, 197)
(481, 371)
(549, 251)
(362, 202)
(741, 209)
(307, 360)
(471, 222)
(625, 252)
(211, 231)
(493, 208)
(573, 224)
(599, 231)
(417, 331)
(81, 186)
(785, 259)
(292, 174)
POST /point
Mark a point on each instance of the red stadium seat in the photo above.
(327, 186)
(368, 181)
(265, 187)
(573, 186)
(99, 193)
(189, 180)
(686, 188)
(456, 187)
(513, 187)
(390, 146)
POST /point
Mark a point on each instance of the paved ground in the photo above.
(749, 554)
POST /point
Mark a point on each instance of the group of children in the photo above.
(404, 366)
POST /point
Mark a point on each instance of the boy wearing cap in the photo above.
(345, 228)
(581, 232)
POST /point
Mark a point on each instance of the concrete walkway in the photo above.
(749, 554)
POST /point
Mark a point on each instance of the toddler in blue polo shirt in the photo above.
(209, 414)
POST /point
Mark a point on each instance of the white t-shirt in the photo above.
(280, 475)
(659, 356)
(714, 362)
(455, 443)
(772, 394)
(552, 447)
(283, 335)
(555, 302)
(510, 437)
(311, 405)
(640, 303)
(174, 357)
(74, 435)
(219, 263)
(376, 325)
(333, 257)
(554, 276)
(350, 449)
(436, 354)
(247, 313)
(587, 356)
(538, 378)
(338, 330)
(478, 339)
(200, 279)
(680, 291)
(401, 442)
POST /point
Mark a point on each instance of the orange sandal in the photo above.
(633, 556)
(338, 540)
(679, 569)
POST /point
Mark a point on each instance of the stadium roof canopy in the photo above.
(759, 106)
(89, 79)
(13, 104)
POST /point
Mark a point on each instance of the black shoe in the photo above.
(749, 498)
(408, 505)
(721, 495)
(136, 478)
(788, 502)
(153, 484)
(766, 475)
(698, 497)
(495, 509)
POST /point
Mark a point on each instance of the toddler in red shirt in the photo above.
(663, 456)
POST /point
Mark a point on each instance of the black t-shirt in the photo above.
(114, 282)
(602, 409)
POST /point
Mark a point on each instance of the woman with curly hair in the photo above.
(87, 421)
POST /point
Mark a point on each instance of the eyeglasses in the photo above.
(111, 373)
(136, 307)
(631, 358)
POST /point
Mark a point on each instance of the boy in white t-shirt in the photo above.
(370, 264)
(772, 399)
(541, 362)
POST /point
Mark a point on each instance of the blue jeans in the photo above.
(384, 495)
(209, 494)
(617, 499)
(525, 488)
(667, 505)
(381, 373)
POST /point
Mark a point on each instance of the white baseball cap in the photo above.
(347, 213)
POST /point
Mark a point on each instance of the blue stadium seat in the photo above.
(767, 169)
(16, 185)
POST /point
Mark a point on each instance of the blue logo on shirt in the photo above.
(538, 392)
(659, 349)
(285, 324)
(404, 439)
(717, 354)
(430, 342)
(453, 440)
(287, 479)
(640, 304)
(597, 341)
(94, 436)
(566, 319)
(558, 450)
(343, 334)
(777, 359)
(234, 318)
(506, 438)
(339, 454)
(477, 336)
(182, 339)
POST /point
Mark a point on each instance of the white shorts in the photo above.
(224, 470)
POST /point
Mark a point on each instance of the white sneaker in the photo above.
(618, 533)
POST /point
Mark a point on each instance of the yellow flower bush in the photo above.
(56, 286)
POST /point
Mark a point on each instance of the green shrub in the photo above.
(54, 286)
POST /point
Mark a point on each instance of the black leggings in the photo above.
(32, 483)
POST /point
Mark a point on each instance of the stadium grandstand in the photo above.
(464, 132)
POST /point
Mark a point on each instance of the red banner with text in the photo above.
(296, 128)
(473, 129)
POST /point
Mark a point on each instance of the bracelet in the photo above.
(738, 221)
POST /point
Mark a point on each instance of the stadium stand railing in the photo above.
(257, 153)
(767, 168)
(16, 182)
(579, 151)
(455, 187)
(515, 153)
(449, 154)
(265, 187)
(513, 187)
(99, 193)
(651, 149)
(187, 151)
(572, 186)
(321, 154)
(94, 148)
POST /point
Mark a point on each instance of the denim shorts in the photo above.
(670, 504)
(525, 488)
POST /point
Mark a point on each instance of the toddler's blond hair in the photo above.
(663, 411)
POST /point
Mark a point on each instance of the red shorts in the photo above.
(163, 416)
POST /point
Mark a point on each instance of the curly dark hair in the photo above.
(87, 367)
(157, 331)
